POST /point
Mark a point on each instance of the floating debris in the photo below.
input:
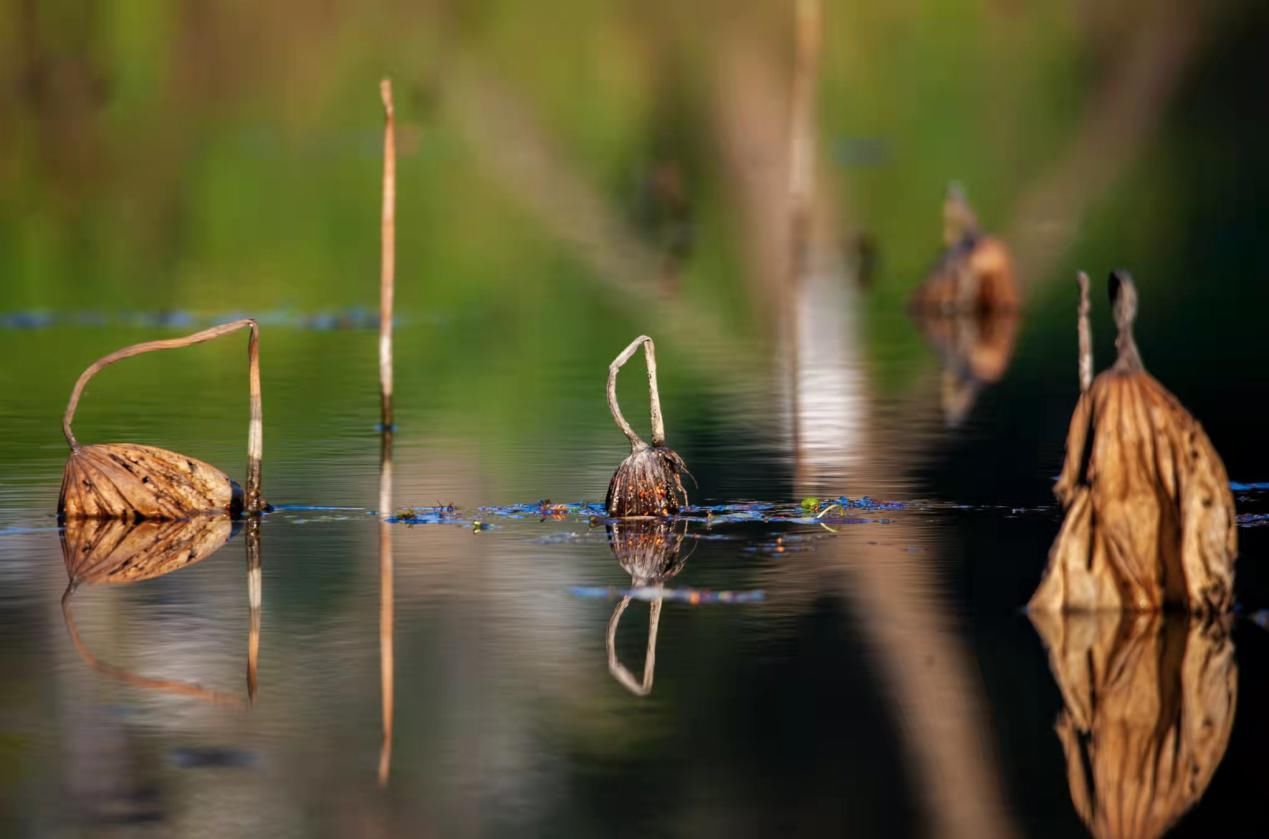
(131, 481)
(1149, 513)
(648, 482)
(652, 594)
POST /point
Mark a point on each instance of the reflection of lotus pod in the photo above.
(117, 551)
(1149, 707)
(649, 551)
(130, 481)
(974, 349)
(1149, 514)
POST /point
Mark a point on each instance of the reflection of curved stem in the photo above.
(254, 600)
(189, 689)
(386, 613)
(618, 670)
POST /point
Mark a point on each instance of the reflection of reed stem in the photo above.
(386, 606)
(255, 597)
(387, 256)
(654, 396)
(179, 688)
(255, 430)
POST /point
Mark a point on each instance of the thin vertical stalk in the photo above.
(255, 429)
(654, 395)
(387, 255)
(387, 672)
(802, 119)
(1085, 336)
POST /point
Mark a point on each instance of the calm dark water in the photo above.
(886, 684)
(562, 189)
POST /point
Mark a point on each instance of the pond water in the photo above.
(445, 637)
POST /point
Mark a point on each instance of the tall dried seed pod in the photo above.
(134, 482)
(649, 481)
(974, 273)
(1149, 513)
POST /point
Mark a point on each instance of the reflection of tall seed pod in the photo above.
(650, 552)
(648, 482)
(1149, 513)
(1149, 703)
(132, 481)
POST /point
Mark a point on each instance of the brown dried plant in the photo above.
(133, 481)
(1149, 513)
(648, 482)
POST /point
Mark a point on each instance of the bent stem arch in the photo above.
(173, 686)
(255, 429)
(619, 670)
(654, 397)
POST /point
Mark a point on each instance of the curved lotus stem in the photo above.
(1085, 336)
(167, 685)
(616, 668)
(654, 397)
(255, 430)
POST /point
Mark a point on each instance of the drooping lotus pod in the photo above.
(974, 274)
(1149, 703)
(135, 482)
(648, 482)
(1150, 517)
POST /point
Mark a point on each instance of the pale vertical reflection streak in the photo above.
(386, 611)
(255, 599)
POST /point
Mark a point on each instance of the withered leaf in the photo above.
(1149, 706)
(131, 481)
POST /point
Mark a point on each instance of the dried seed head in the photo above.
(647, 483)
(130, 481)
